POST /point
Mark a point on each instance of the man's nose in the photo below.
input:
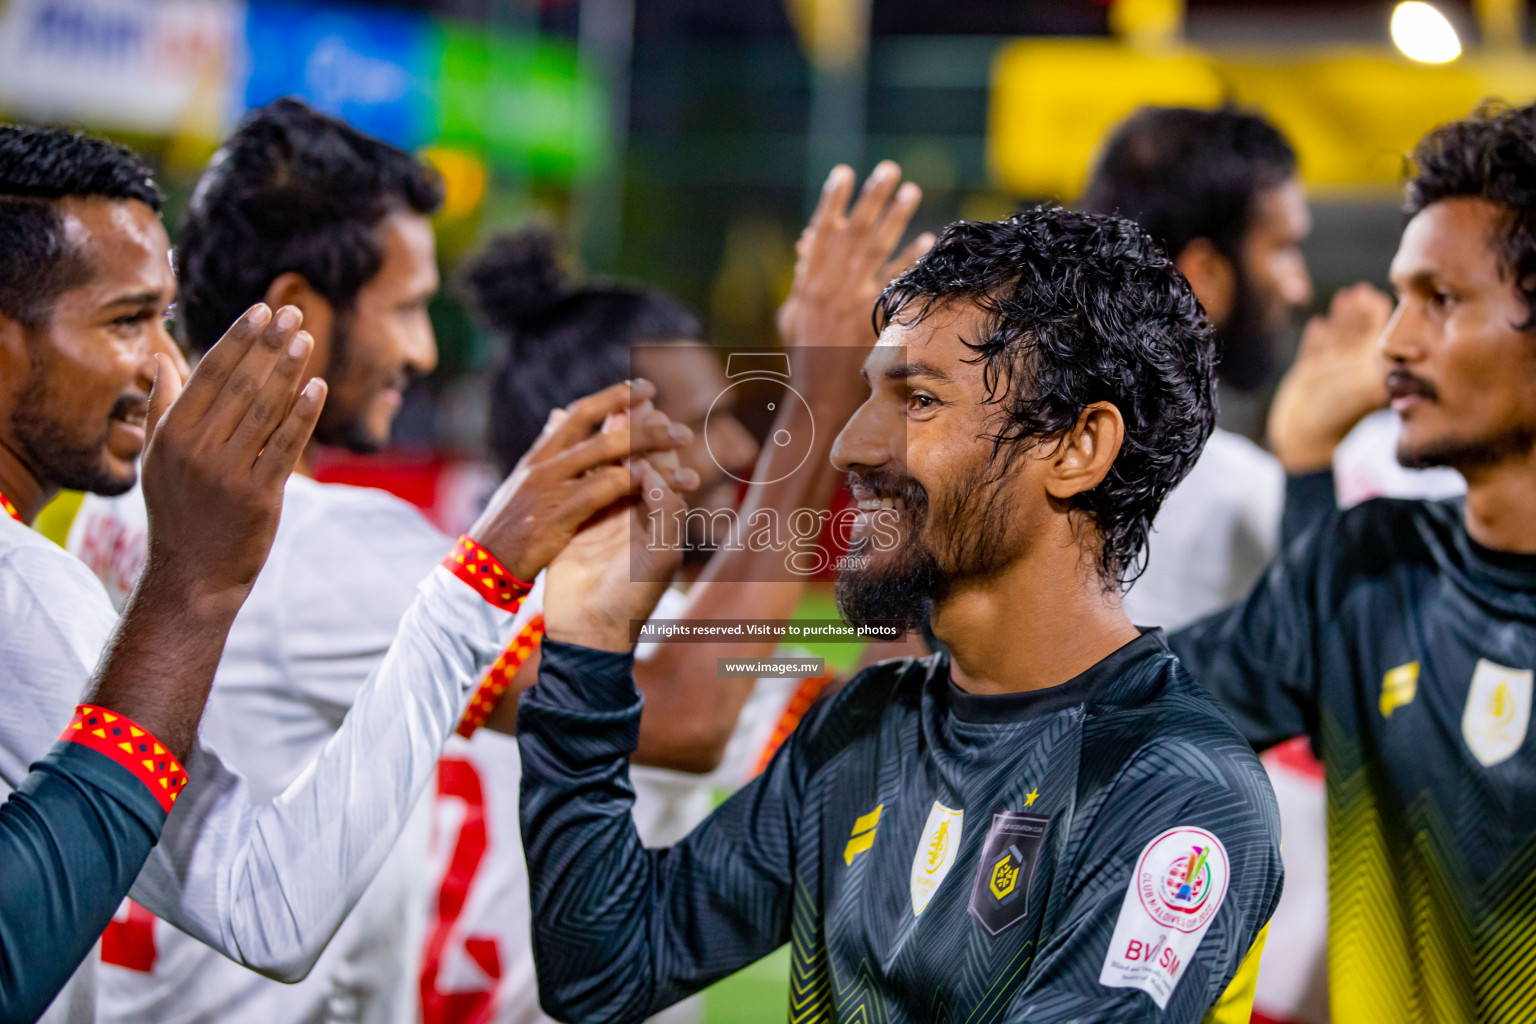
(421, 351)
(1399, 341)
(1296, 283)
(866, 440)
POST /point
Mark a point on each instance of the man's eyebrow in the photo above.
(146, 298)
(917, 368)
(1423, 277)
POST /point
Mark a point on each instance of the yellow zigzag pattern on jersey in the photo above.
(991, 1004)
(1412, 938)
(814, 994)
(811, 985)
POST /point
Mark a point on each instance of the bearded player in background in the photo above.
(299, 208)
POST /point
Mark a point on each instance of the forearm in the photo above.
(159, 664)
(72, 839)
(621, 931)
(268, 885)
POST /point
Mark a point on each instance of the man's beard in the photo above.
(1463, 456)
(1457, 453)
(54, 452)
(1248, 339)
(971, 532)
(340, 427)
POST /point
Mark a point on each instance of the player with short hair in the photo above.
(75, 831)
(1049, 822)
(266, 882)
(1400, 636)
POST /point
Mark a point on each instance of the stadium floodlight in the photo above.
(1424, 34)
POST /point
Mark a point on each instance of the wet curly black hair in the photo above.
(1083, 308)
(1490, 155)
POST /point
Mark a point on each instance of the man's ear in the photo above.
(1086, 452)
(291, 289)
(15, 359)
(1212, 276)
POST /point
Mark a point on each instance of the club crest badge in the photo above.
(1498, 712)
(936, 850)
(1000, 894)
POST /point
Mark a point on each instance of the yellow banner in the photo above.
(1353, 114)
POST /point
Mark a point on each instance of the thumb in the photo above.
(166, 387)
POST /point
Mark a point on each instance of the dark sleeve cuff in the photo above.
(94, 771)
(1309, 500)
(121, 741)
(582, 679)
(584, 710)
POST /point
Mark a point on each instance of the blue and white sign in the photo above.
(374, 67)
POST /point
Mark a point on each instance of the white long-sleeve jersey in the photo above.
(264, 883)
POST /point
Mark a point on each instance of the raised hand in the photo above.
(220, 450)
(1339, 377)
(616, 568)
(846, 257)
(574, 471)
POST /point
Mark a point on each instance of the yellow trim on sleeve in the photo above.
(1236, 1004)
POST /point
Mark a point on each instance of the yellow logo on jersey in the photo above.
(938, 847)
(1398, 687)
(1501, 706)
(1005, 875)
(935, 853)
(863, 834)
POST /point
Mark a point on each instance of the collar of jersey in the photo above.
(1502, 580)
(1093, 684)
(1515, 567)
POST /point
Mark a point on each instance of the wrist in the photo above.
(183, 598)
(477, 566)
(1302, 459)
(594, 634)
(131, 746)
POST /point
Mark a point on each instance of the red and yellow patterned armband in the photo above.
(500, 677)
(117, 737)
(473, 564)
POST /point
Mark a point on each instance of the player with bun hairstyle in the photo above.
(558, 339)
(700, 732)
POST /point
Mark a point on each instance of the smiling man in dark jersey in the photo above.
(1401, 635)
(1049, 823)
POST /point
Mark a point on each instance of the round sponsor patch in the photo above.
(1181, 878)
